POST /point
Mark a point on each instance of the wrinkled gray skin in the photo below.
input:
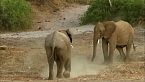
(58, 49)
(114, 35)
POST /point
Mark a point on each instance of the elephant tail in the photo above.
(53, 50)
(134, 47)
(53, 47)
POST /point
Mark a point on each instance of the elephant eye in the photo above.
(100, 32)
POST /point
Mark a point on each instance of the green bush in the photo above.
(128, 10)
(15, 15)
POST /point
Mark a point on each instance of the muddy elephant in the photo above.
(58, 49)
(114, 35)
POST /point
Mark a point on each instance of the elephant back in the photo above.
(124, 32)
(61, 40)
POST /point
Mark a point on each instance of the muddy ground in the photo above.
(24, 58)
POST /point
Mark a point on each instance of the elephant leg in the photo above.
(128, 48)
(112, 47)
(51, 62)
(67, 67)
(50, 59)
(105, 50)
(122, 54)
(59, 69)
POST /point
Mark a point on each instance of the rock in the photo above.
(4, 47)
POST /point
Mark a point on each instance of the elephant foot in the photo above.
(59, 76)
(121, 58)
(45, 78)
(107, 62)
(50, 78)
(66, 74)
(127, 60)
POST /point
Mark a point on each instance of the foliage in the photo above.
(15, 15)
(128, 10)
(80, 1)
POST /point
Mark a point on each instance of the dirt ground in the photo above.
(24, 58)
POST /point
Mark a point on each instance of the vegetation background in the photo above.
(17, 14)
(132, 11)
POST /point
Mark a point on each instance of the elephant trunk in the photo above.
(95, 42)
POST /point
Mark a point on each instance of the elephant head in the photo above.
(68, 33)
(102, 30)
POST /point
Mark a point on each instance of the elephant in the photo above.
(58, 49)
(114, 35)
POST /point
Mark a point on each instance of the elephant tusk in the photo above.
(72, 46)
(98, 42)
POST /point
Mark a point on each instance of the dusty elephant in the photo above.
(58, 49)
(114, 35)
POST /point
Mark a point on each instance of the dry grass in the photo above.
(130, 71)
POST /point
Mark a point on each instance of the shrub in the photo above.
(79, 1)
(128, 10)
(15, 15)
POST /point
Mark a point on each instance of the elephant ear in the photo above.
(110, 27)
(69, 35)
